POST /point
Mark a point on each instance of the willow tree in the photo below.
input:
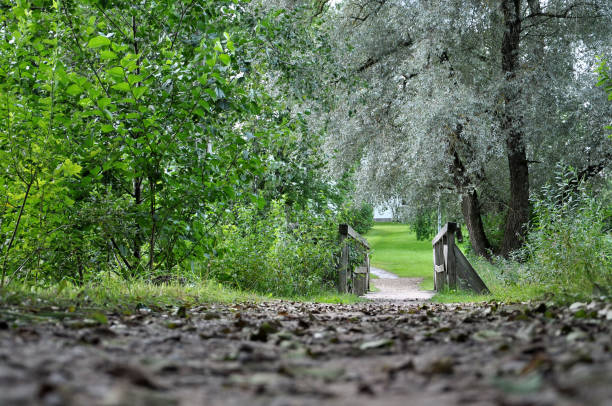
(479, 99)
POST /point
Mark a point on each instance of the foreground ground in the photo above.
(285, 353)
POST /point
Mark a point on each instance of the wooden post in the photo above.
(344, 259)
(451, 268)
(367, 260)
(360, 278)
(451, 263)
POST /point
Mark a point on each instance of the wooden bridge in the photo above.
(451, 268)
(351, 280)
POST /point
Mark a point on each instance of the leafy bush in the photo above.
(359, 217)
(267, 253)
(424, 223)
(569, 247)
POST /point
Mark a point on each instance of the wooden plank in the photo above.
(358, 237)
(438, 259)
(343, 266)
(451, 265)
(345, 229)
(361, 270)
(467, 277)
(447, 227)
(359, 286)
(367, 261)
(360, 277)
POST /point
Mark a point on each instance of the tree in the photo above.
(127, 132)
(454, 96)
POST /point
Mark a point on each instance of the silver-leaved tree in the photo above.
(474, 99)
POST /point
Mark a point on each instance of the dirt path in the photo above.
(381, 273)
(284, 353)
(389, 286)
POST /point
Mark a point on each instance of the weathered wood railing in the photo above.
(356, 280)
(451, 267)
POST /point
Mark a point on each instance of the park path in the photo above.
(374, 353)
(389, 286)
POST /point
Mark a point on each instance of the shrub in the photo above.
(267, 253)
(424, 223)
(569, 248)
(359, 217)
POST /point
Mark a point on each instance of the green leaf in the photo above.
(123, 87)
(225, 59)
(116, 72)
(134, 78)
(139, 91)
(74, 90)
(98, 42)
(218, 46)
(99, 317)
(104, 102)
(69, 168)
(107, 55)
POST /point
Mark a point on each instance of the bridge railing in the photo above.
(451, 267)
(351, 280)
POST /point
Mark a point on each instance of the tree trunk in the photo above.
(518, 210)
(470, 206)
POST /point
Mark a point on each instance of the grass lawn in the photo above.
(396, 249)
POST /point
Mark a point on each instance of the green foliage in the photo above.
(605, 81)
(128, 134)
(425, 224)
(569, 247)
(359, 217)
(278, 253)
(567, 256)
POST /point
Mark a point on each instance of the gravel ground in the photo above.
(389, 286)
(381, 273)
(399, 289)
(286, 353)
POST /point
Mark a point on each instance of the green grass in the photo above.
(116, 295)
(396, 249)
(500, 291)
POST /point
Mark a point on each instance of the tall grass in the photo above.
(569, 246)
(567, 255)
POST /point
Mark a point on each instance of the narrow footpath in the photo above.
(279, 353)
(389, 286)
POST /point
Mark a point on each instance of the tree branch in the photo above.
(374, 60)
(565, 13)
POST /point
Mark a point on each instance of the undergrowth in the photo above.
(567, 256)
(116, 295)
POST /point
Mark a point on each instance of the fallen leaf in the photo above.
(368, 345)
